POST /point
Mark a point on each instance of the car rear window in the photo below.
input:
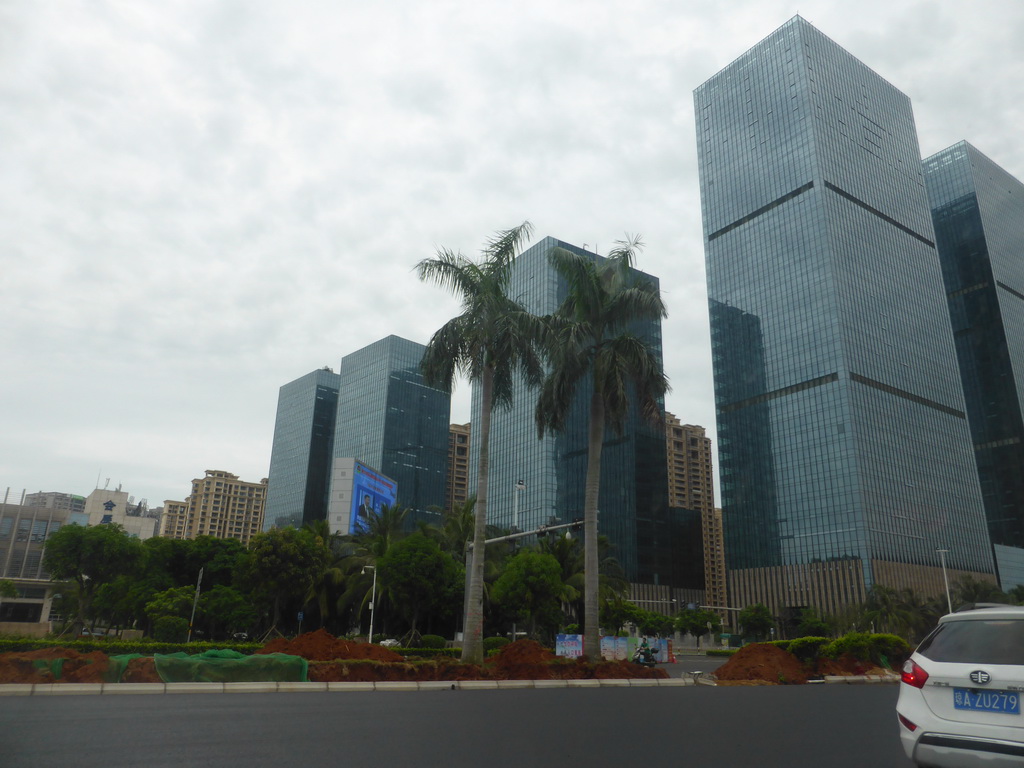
(990, 641)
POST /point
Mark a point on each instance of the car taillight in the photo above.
(910, 726)
(913, 674)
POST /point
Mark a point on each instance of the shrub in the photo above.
(889, 650)
(879, 649)
(170, 629)
(807, 648)
(494, 643)
(783, 644)
(432, 641)
(720, 651)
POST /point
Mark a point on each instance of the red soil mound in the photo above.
(323, 646)
(78, 667)
(763, 662)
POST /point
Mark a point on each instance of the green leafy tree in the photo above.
(972, 590)
(7, 589)
(617, 613)
(91, 557)
(756, 620)
(885, 610)
(589, 345)
(655, 624)
(492, 343)
(532, 589)
(279, 569)
(422, 581)
(812, 625)
(695, 622)
(225, 609)
(176, 601)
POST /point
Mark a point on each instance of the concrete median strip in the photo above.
(78, 689)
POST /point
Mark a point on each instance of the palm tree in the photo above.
(358, 556)
(490, 343)
(588, 341)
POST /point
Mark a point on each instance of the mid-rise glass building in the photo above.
(844, 450)
(300, 458)
(978, 212)
(634, 512)
(389, 419)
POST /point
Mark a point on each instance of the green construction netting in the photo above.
(118, 664)
(230, 667)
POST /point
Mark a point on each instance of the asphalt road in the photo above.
(791, 726)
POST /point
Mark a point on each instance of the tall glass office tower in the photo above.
(300, 458)
(844, 450)
(978, 212)
(389, 419)
(634, 511)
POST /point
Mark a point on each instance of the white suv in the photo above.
(961, 690)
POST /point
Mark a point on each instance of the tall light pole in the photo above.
(520, 486)
(373, 596)
(945, 577)
(195, 601)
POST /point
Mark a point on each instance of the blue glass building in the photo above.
(978, 213)
(844, 450)
(634, 512)
(389, 419)
(300, 458)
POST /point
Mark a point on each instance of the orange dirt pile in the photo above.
(763, 662)
(323, 646)
(523, 660)
(77, 668)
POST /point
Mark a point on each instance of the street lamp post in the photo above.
(945, 577)
(520, 486)
(373, 596)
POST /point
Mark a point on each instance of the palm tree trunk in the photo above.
(473, 625)
(591, 578)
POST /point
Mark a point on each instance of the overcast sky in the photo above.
(201, 201)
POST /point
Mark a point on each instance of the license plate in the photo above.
(1006, 702)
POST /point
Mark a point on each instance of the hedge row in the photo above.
(116, 646)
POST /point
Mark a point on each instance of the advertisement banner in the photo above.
(569, 646)
(370, 491)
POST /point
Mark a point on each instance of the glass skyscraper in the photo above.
(300, 458)
(634, 512)
(844, 451)
(389, 419)
(978, 213)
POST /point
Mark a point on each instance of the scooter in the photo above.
(646, 656)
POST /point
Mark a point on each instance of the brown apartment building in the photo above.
(220, 505)
(691, 486)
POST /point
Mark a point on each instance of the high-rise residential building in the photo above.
(390, 420)
(300, 459)
(691, 486)
(55, 500)
(220, 505)
(457, 490)
(844, 450)
(978, 213)
(542, 481)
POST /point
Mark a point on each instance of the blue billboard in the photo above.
(370, 491)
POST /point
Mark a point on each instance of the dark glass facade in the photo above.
(300, 458)
(390, 420)
(842, 432)
(978, 213)
(634, 512)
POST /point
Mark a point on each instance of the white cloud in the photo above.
(200, 201)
